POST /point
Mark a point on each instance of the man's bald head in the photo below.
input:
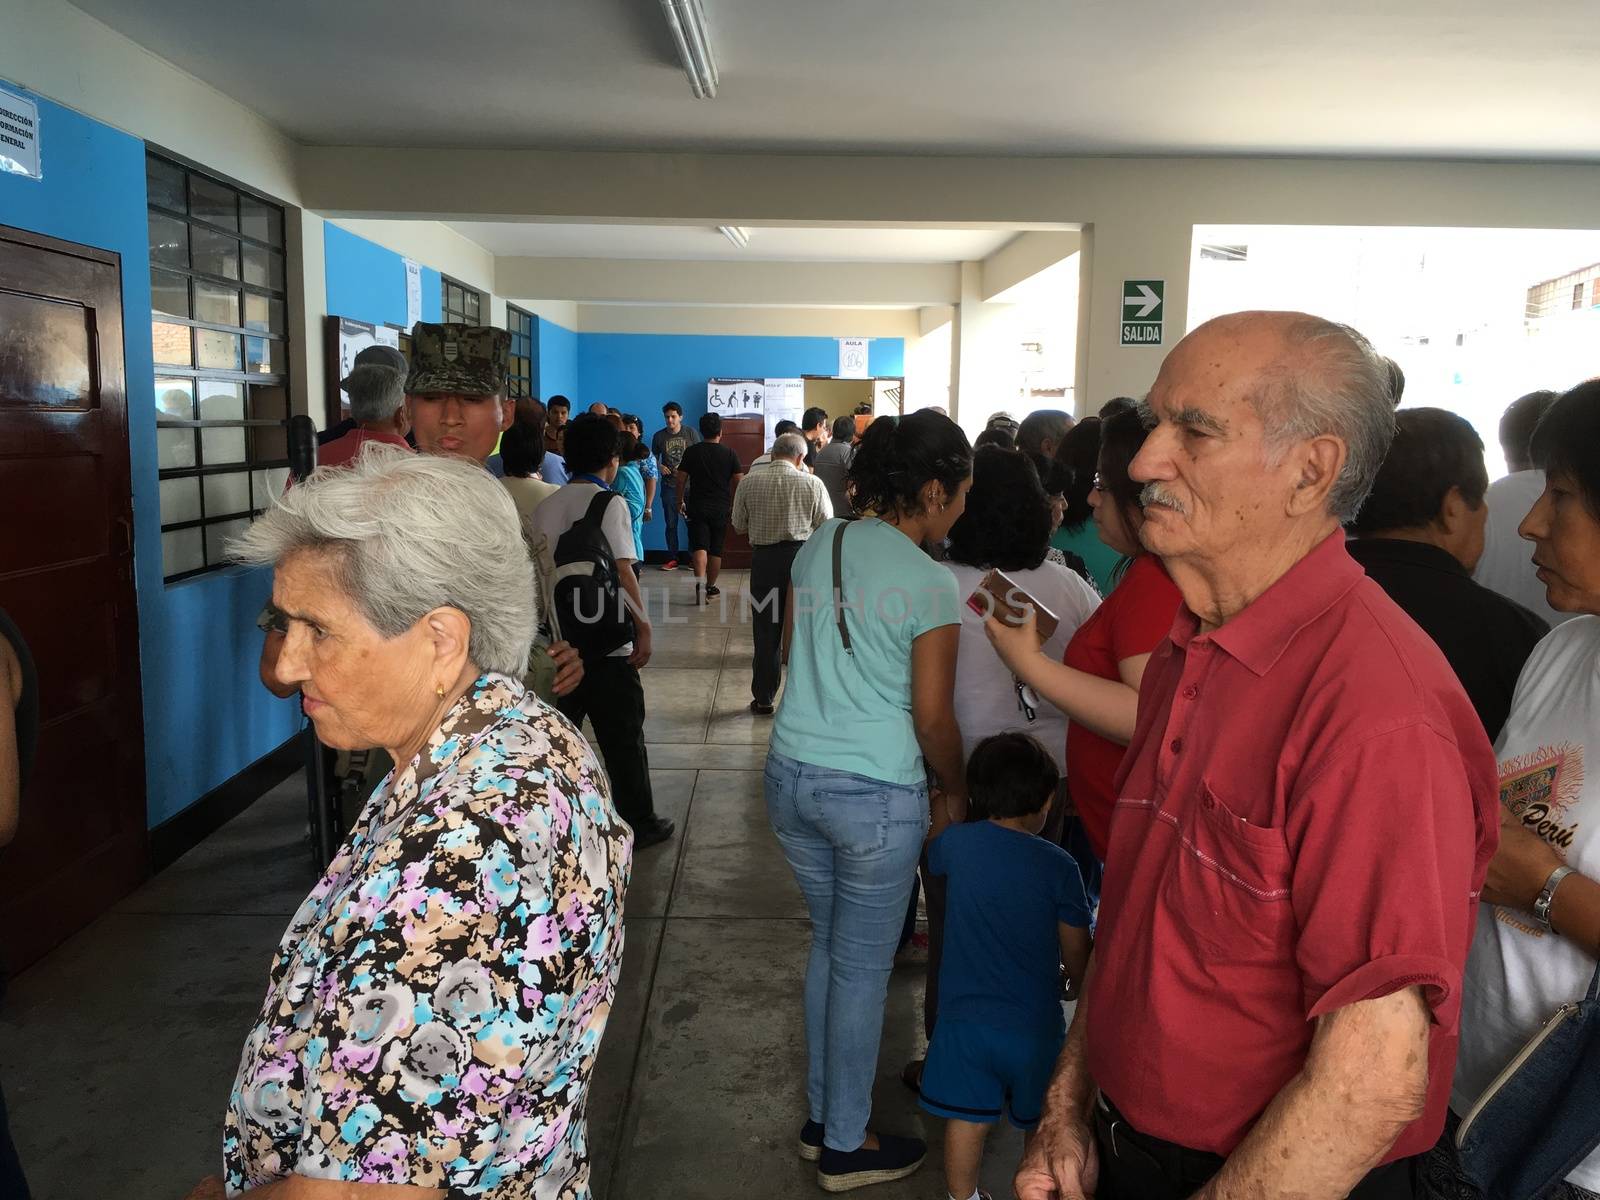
(1305, 377)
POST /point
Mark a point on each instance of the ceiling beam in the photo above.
(1023, 257)
(725, 284)
(751, 189)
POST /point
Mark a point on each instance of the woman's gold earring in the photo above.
(440, 690)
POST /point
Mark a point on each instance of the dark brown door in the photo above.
(746, 437)
(66, 578)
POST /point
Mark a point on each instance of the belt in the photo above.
(775, 545)
(1122, 1139)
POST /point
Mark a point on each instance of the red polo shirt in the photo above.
(343, 450)
(1305, 817)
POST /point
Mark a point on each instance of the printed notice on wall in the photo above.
(785, 401)
(853, 358)
(736, 397)
(413, 293)
(19, 135)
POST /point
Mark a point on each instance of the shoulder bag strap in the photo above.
(838, 586)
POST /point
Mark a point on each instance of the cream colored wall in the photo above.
(749, 322)
(1138, 214)
(563, 312)
(838, 397)
(433, 244)
(1023, 257)
(727, 284)
(307, 280)
(62, 52)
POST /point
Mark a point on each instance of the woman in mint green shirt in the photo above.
(867, 720)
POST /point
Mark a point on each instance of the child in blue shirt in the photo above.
(1015, 913)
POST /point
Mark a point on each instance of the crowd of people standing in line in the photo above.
(1316, 768)
(1226, 713)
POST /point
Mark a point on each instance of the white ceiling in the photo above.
(1448, 78)
(767, 243)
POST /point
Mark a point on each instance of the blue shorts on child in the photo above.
(979, 1072)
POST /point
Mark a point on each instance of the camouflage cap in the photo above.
(465, 360)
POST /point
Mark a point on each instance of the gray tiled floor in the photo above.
(133, 1027)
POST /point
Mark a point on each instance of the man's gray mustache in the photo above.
(1154, 493)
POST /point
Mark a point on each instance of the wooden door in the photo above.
(746, 437)
(66, 578)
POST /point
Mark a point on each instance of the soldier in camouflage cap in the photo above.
(456, 389)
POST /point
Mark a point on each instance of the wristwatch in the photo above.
(1541, 903)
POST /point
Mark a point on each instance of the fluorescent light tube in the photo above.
(686, 21)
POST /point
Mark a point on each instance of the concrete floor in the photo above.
(118, 1050)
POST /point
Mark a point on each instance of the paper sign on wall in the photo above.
(853, 358)
(356, 336)
(786, 401)
(19, 136)
(736, 397)
(413, 293)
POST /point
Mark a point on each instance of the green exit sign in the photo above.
(1143, 301)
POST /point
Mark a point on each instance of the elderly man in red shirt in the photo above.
(1306, 814)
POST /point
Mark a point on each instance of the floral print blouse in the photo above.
(436, 1005)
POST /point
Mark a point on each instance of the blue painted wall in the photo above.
(639, 372)
(205, 715)
(558, 364)
(367, 282)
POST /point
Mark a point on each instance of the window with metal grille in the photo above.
(461, 303)
(519, 381)
(219, 331)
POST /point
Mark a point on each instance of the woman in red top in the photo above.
(1097, 683)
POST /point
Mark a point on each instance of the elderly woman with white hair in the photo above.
(435, 1007)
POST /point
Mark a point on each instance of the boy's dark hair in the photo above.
(672, 406)
(782, 427)
(559, 402)
(1011, 775)
(591, 443)
(522, 448)
(813, 418)
(844, 429)
(710, 426)
(1567, 441)
(1432, 452)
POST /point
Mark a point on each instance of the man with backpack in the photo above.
(585, 535)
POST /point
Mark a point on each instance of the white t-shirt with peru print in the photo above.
(1549, 752)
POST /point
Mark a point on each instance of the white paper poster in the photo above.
(786, 401)
(356, 336)
(413, 293)
(736, 397)
(19, 135)
(853, 358)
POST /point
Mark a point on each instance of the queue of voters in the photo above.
(969, 609)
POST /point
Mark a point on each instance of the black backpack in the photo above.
(591, 609)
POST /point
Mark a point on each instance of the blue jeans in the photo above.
(853, 845)
(669, 511)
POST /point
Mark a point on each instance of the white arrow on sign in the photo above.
(1147, 298)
